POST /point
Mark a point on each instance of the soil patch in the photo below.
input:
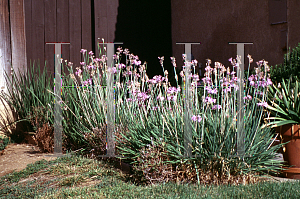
(15, 157)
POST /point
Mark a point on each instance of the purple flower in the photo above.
(137, 62)
(126, 51)
(208, 89)
(78, 72)
(236, 87)
(251, 78)
(211, 91)
(210, 100)
(83, 51)
(227, 90)
(206, 80)
(142, 96)
(269, 82)
(259, 63)
(127, 73)
(137, 75)
(82, 63)
(161, 60)
(196, 118)
(154, 108)
(91, 53)
(115, 57)
(216, 107)
(91, 66)
(173, 61)
(196, 77)
(173, 90)
(156, 79)
(85, 83)
(104, 58)
(181, 73)
(112, 70)
(119, 49)
(194, 62)
(248, 97)
(169, 98)
(121, 66)
(160, 98)
(264, 104)
(214, 91)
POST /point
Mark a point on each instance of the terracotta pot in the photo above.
(291, 153)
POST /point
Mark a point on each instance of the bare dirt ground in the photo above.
(17, 156)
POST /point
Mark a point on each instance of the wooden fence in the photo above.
(27, 25)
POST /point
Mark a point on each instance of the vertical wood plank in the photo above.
(5, 47)
(75, 31)
(50, 34)
(27, 10)
(112, 13)
(18, 41)
(5, 50)
(37, 46)
(100, 10)
(86, 25)
(102, 6)
(62, 29)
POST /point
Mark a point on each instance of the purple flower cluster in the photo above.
(156, 79)
(172, 97)
(196, 118)
(173, 61)
(127, 73)
(264, 104)
(112, 70)
(160, 98)
(121, 66)
(210, 100)
(130, 100)
(210, 90)
(173, 90)
(88, 82)
(142, 96)
(136, 62)
(248, 97)
(83, 51)
(259, 81)
(215, 107)
(78, 72)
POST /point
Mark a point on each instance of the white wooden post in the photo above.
(240, 138)
(57, 106)
(110, 100)
(187, 101)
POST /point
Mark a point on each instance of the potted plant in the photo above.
(285, 118)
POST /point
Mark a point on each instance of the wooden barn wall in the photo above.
(12, 39)
(5, 47)
(78, 22)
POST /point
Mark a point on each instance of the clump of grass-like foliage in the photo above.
(151, 117)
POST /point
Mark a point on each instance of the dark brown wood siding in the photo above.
(5, 48)
(78, 22)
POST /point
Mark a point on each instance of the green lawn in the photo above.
(78, 177)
